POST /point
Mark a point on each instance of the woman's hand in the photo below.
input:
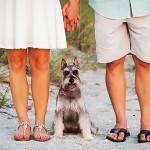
(70, 15)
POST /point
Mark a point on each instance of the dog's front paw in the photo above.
(88, 137)
(97, 133)
(58, 134)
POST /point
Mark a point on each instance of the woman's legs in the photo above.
(39, 61)
(19, 87)
(142, 85)
(116, 86)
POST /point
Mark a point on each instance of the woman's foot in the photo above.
(23, 132)
(40, 133)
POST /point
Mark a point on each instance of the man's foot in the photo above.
(40, 133)
(118, 135)
(144, 136)
(23, 132)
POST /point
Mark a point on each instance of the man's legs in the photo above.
(142, 85)
(116, 85)
(139, 29)
(112, 43)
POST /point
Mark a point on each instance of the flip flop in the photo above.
(25, 125)
(146, 133)
(40, 126)
(117, 131)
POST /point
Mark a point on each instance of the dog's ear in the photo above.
(76, 63)
(63, 64)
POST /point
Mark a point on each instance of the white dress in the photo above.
(31, 23)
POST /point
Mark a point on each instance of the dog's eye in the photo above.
(66, 73)
(75, 72)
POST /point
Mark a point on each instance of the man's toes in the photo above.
(113, 136)
(142, 137)
(121, 136)
(148, 138)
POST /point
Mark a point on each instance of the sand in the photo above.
(100, 110)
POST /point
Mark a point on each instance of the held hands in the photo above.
(70, 16)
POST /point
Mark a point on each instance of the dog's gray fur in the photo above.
(71, 115)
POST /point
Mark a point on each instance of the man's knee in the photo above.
(141, 64)
(115, 64)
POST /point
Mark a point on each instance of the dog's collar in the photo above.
(63, 93)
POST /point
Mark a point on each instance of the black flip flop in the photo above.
(146, 133)
(117, 131)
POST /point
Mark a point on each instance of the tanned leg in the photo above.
(142, 85)
(116, 85)
(39, 61)
(19, 87)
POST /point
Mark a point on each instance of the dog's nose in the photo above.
(71, 80)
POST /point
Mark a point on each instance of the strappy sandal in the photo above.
(40, 126)
(117, 131)
(25, 125)
(146, 133)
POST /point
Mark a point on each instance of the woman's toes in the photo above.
(48, 137)
(26, 136)
(45, 137)
(16, 133)
(37, 136)
(18, 136)
(142, 137)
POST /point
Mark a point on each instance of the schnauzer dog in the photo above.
(71, 115)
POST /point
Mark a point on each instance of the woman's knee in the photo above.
(40, 64)
(17, 63)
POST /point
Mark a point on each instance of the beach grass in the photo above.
(3, 97)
